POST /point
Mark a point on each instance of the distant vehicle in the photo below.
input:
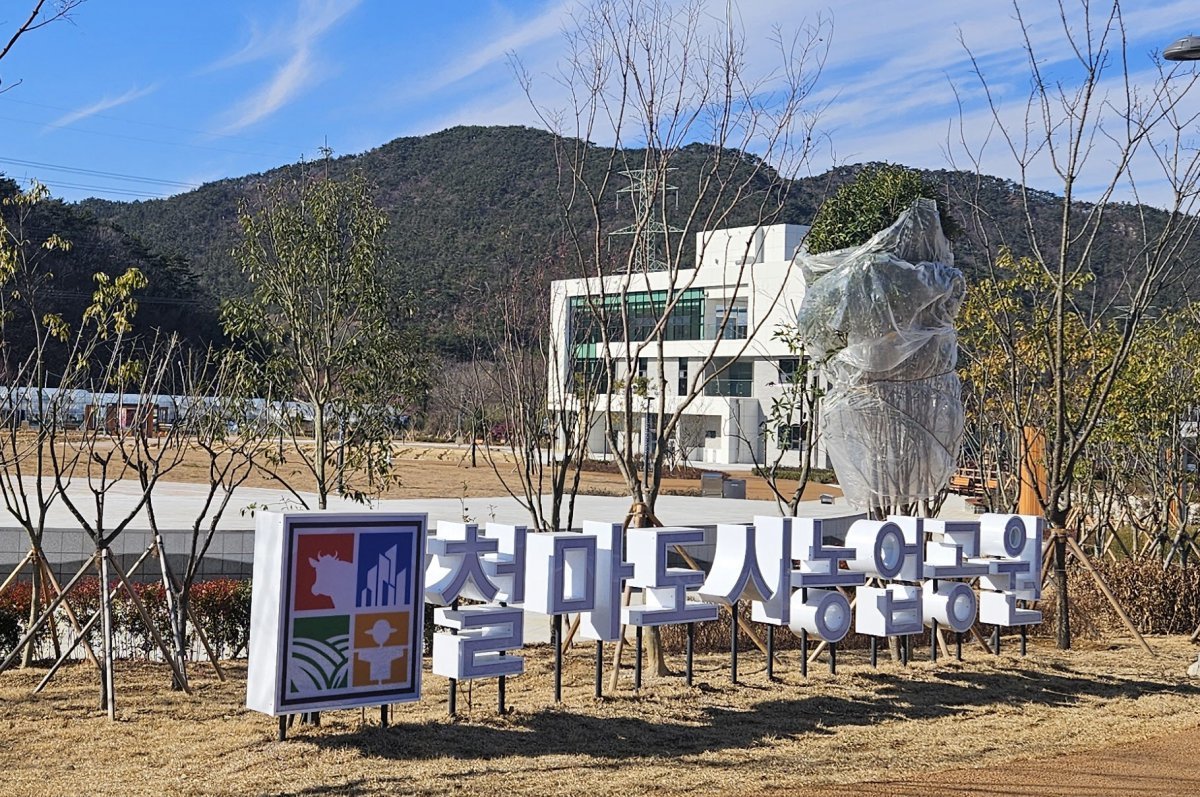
(1186, 49)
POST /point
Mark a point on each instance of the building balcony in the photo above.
(737, 388)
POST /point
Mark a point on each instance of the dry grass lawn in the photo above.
(441, 471)
(858, 728)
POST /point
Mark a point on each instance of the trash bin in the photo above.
(710, 484)
(734, 488)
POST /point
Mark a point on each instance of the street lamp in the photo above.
(1186, 49)
(649, 441)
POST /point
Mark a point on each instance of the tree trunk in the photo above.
(319, 455)
(1060, 586)
(35, 606)
(107, 695)
(176, 612)
(654, 651)
(179, 634)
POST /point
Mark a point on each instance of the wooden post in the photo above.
(41, 621)
(48, 578)
(180, 678)
(13, 577)
(979, 638)
(572, 630)
(45, 575)
(208, 650)
(619, 648)
(178, 632)
(81, 634)
(1032, 485)
(16, 571)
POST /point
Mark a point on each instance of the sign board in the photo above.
(337, 614)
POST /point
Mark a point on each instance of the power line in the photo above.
(106, 190)
(140, 139)
(97, 173)
(123, 120)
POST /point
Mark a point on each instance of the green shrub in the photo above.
(871, 202)
(222, 609)
(12, 622)
(818, 475)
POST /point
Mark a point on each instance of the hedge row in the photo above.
(1159, 600)
(220, 606)
(817, 475)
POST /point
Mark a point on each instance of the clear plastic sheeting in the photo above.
(879, 319)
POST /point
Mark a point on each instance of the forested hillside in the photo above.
(174, 301)
(470, 208)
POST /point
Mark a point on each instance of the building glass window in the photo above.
(790, 436)
(790, 369)
(733, 378)
(683, 376)
(730, 322)
(589, 376)
(591, 316)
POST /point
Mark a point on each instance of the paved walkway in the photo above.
(176, 503)
(1164, 765)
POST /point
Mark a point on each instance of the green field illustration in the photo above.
(319, 658)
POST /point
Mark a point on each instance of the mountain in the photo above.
(474, 208)
(174, 301)
(469, 207)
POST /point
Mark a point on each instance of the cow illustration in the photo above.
(334, 579)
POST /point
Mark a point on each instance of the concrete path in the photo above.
(176, 503)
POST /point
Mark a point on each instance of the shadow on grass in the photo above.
(555, 731)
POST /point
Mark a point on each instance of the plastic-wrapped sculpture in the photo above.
(879, 318)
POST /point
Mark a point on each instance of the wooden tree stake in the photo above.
(1083, 559)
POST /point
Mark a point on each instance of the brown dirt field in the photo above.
(1106, 720)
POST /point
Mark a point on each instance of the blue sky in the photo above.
(181, 93)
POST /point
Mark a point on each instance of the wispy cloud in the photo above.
(479, 56)
(100, 106)
(295, 43)
(284, 86)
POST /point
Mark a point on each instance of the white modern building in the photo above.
(708, 331)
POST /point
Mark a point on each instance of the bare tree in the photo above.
(537, 449)
(119, 443)
(672, 90)
(1097, 124)
(792, 425)
(219, 417)
(41, 15)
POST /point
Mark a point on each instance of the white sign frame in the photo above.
(281, 541)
